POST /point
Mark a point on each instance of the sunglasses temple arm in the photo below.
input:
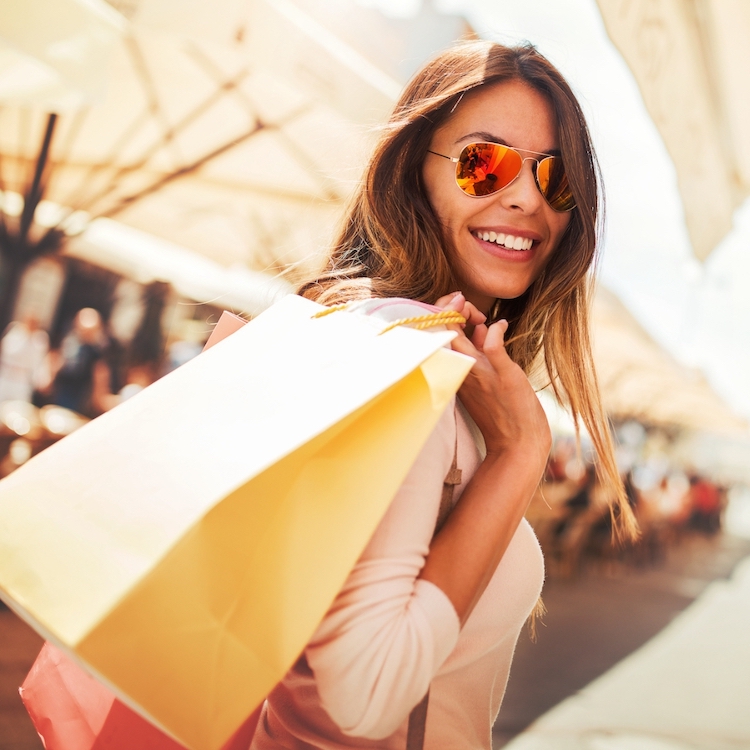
(454, 159)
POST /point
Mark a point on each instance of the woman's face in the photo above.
(513, 114)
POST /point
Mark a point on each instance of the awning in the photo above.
(235, 129)
(691, 59)
(640, 380)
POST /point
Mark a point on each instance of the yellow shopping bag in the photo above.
(184, 546)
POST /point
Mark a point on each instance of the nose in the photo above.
(523, 193)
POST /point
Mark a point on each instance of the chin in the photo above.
(513, 295)
(507, 293)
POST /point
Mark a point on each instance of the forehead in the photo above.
(510, 112)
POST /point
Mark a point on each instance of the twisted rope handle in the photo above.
(329, 310)
(420, 322)
(430, 320)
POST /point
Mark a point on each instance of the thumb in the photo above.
(456, 302)
(494, 340)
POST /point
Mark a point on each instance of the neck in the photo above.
(482, 302)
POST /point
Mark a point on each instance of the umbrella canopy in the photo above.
(640, 380)
(63, 63)
(235, 129)
(691, 60)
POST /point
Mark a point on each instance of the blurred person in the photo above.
(81, 375)
(23, 360)
(668, 500)
(705, 505)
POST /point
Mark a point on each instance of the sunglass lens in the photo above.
(485, 168)
(553, 184)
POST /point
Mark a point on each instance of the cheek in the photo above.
(430, 182)
(444, 214)
(442, 193)
(559, 224)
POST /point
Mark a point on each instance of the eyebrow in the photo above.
(491, 138)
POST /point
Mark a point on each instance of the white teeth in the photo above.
(507, 240)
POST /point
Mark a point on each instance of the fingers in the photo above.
(479, 336)
(495, 338)
(463, 345)
(486, 340)
(456, 301)
(449, 301)
(473, 315)
(490, 338)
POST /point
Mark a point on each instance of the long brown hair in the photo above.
(391, 243)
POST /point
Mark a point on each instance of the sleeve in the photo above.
(388, 632)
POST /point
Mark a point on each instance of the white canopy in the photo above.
(640, 380)
(236, 129)
(691, 59)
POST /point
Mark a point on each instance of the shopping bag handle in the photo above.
(420, 322)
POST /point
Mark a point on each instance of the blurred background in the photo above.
(164, 160)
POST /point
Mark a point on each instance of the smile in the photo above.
(505, 240)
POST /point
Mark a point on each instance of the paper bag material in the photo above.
(184, 546)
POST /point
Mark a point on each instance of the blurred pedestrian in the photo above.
(23, 359)
(82, 376)
(706, 506)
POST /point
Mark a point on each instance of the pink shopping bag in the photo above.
(73, 711)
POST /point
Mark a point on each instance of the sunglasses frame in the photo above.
(524, 159)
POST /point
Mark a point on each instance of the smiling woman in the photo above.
(480, 198)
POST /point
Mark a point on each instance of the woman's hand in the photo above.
(496, 393)
(459, 303)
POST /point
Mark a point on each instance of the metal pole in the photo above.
(36, 189)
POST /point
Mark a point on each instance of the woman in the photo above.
(448, 214)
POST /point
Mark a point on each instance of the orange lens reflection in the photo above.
(553, 183)
(485, 168)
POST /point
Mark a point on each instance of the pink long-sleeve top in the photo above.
(389, 635)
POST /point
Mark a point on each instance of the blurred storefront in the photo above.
(682, 452)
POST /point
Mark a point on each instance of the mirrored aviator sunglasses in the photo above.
(484, 168)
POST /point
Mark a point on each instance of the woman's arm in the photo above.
(500, 399)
